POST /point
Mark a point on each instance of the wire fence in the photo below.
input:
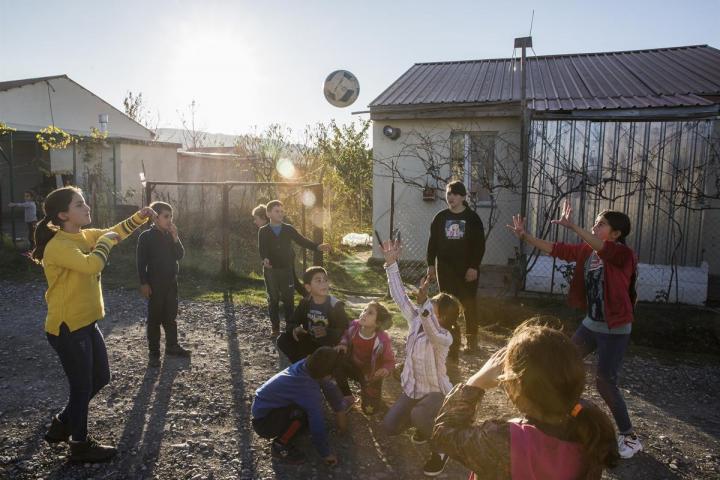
(215, 222)
(663, 175)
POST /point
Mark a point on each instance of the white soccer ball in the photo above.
(341, 88)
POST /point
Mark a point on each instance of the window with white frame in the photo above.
(473, 162)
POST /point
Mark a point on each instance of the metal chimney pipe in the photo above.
(104, 120)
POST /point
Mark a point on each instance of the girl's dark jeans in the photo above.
(84, 359)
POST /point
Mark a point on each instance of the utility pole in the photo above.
(524, 43)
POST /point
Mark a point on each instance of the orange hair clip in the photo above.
(576, 410)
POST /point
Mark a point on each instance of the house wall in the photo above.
(159, 162)
(413, 215)
(74, 109)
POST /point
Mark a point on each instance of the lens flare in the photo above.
(285, 168)
(308, 199)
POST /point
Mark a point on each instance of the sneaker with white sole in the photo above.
(435, 464)
(629, 445)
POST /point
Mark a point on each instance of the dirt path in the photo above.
(190, 420)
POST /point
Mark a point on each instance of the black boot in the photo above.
(90, 451)
(58, 431)
(177, 351)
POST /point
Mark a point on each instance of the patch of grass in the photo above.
(351, 272)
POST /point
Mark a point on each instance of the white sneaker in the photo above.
(629, 445)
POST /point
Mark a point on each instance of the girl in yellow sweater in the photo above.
(73, 259)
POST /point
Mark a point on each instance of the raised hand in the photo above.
(566, 218)
(431, 273)
(422, 295)
(487, 377)
(518, 226)
(391, 250)
(148, 212)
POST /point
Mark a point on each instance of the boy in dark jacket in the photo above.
(319, 320)
(293, 400)
(278, 257)
(158, 252)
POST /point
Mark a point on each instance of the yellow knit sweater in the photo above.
(72, 264)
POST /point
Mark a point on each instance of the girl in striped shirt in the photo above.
(424, 377)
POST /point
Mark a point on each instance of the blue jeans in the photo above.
(280, 287)
(418, 413)
(611, 351)
(84, 359)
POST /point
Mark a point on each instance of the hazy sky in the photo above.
(257, 62)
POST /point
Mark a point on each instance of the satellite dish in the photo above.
(341, 88)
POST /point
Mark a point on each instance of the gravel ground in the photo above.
(190, 419)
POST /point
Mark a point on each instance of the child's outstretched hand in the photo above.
(380, 373)
(422, 294)
(148, 212)
(518, 226)
(487, 377)
(341, 348)
(391, 250)
(566, 218)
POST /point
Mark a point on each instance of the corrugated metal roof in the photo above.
(665, 77)
(26, 81)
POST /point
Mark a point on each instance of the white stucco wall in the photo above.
(413, 215)
(159, 160)
(74, 109)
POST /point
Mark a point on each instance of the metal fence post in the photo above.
(225, 229)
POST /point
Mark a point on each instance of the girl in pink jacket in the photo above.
(368, 356)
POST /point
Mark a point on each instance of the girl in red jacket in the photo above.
(604, 285)
(369, 356)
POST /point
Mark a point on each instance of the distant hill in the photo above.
(175, 135)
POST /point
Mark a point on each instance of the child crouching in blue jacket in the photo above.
(293, 400)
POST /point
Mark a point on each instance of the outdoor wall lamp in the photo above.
(393, 133)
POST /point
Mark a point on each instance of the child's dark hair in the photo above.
(260, 211)
(30, 193)
(621, 222)
(383, 318)
(160, 207)
(545, 374)
(272, 204)
(56, 202)
(322, 362)
(311, 272)
(449, 308)
(458, 188)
